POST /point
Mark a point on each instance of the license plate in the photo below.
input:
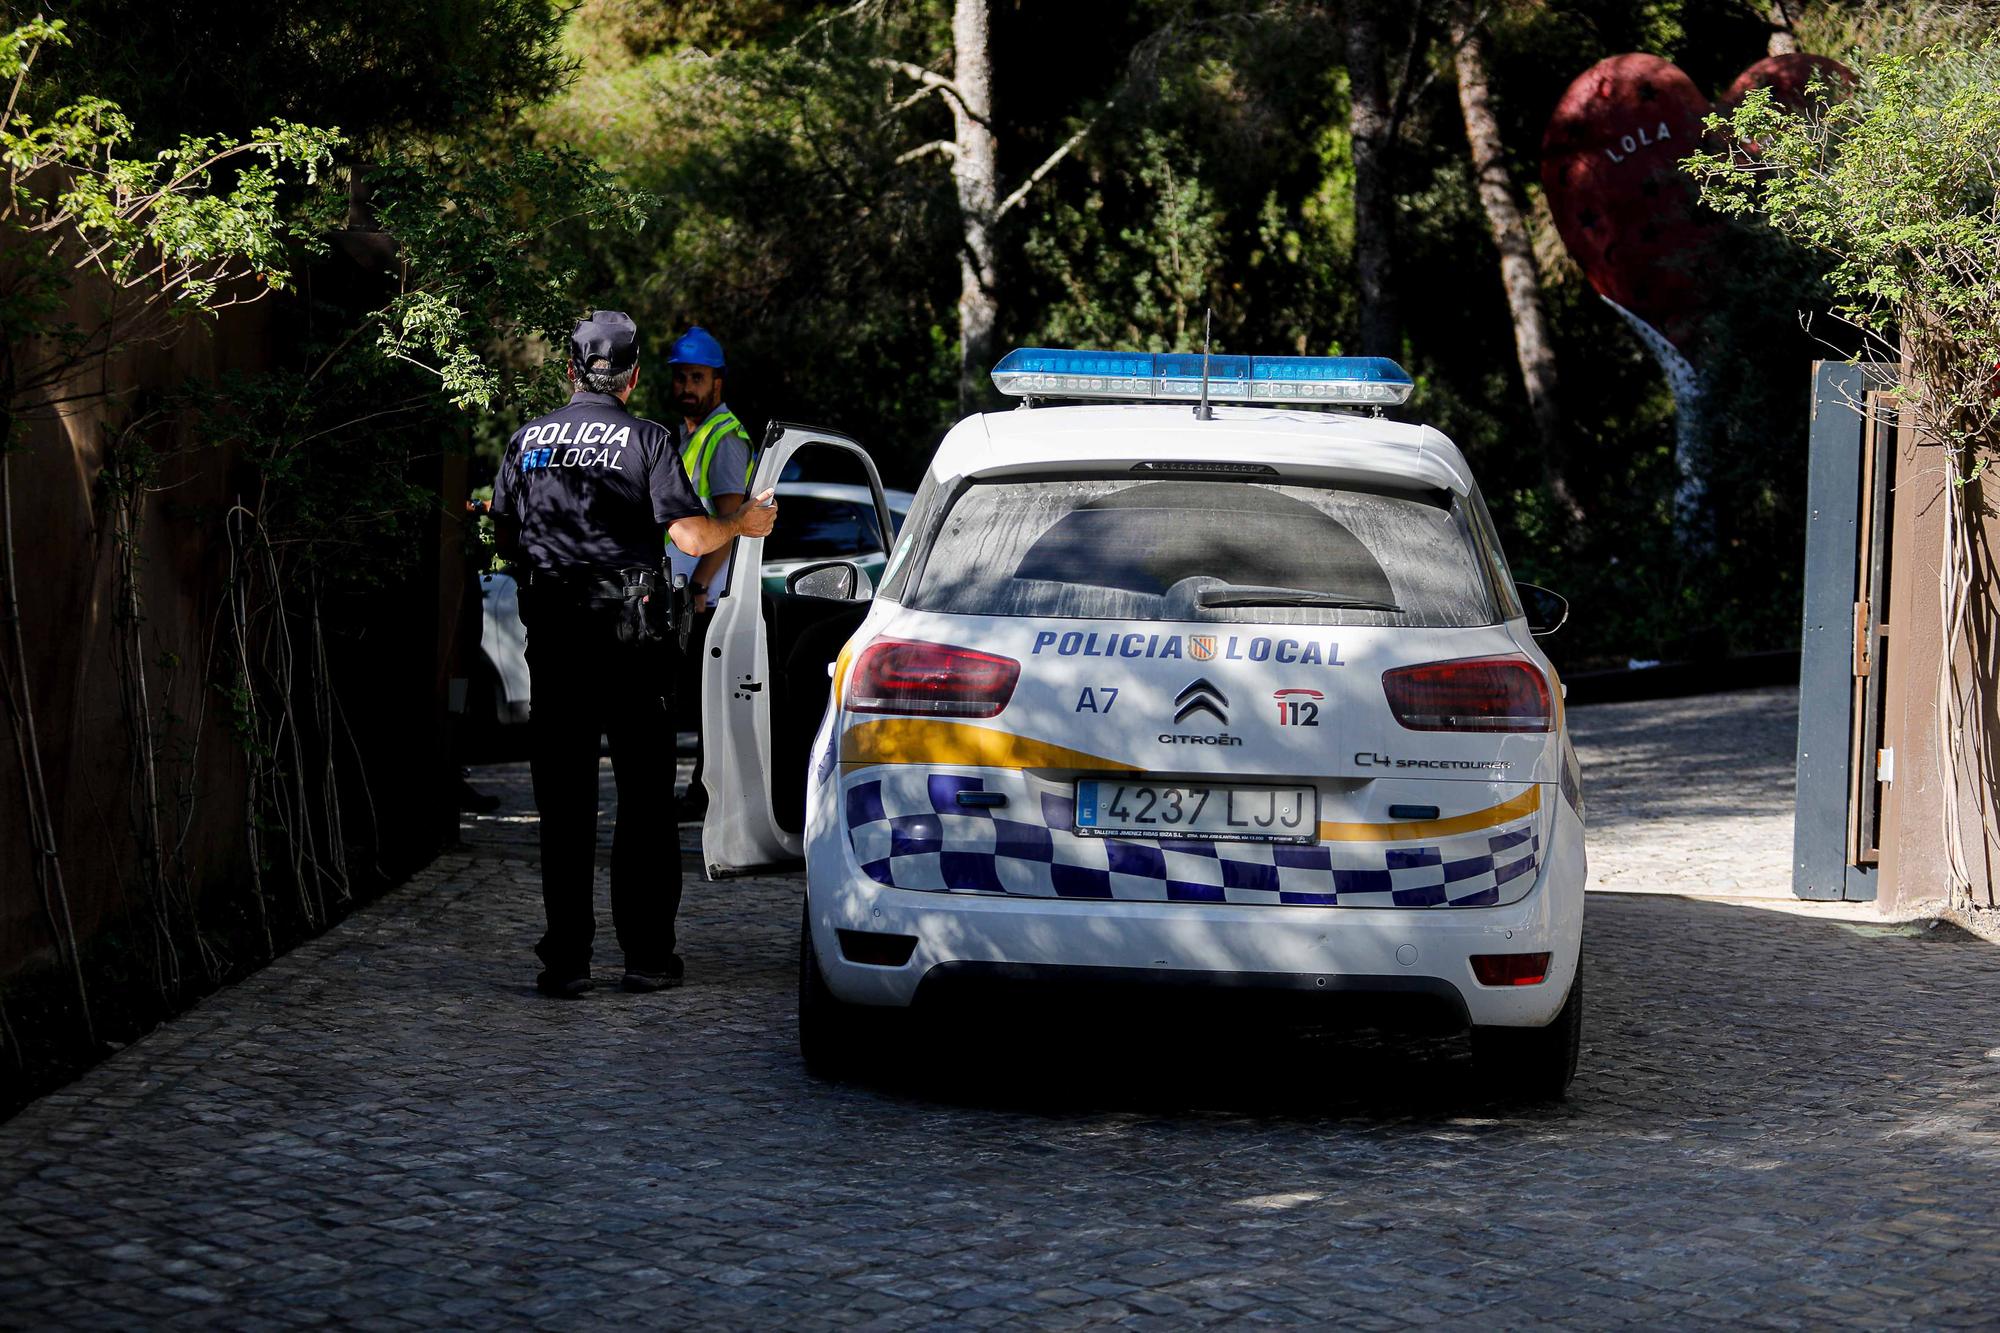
(1162, 810)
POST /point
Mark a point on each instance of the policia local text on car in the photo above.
(580, 503)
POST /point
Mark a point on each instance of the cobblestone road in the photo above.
(1691, 795)
(1779, 1121)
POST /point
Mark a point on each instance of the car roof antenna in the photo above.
(1204, 412)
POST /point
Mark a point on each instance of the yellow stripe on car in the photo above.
(1526, 803)
(918, 740)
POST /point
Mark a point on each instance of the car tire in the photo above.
(830, 1037)
(1532, 1064)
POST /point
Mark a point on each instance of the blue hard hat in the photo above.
(696, 347)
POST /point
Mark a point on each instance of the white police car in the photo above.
(1155, 695)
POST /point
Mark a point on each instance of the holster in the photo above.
(646, 615)
(680, 601)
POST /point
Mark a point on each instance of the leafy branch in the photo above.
(187, 231)
(138, 245)
(1898, 189)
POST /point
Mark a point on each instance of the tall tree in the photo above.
(975, 170)
(1783, 17)
(974, 150)
(1519, 276)
(1371, 128)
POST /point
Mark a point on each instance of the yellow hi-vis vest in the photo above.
(699, 456)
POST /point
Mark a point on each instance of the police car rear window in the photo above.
(1121, 549)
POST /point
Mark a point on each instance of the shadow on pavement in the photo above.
(1307, 1076)
(1778, 1120)
(1702, 1015)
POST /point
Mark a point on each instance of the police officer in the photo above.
(582, 501)
(717, 458)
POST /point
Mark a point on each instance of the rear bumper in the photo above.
(972, 941)
(1407, 1003)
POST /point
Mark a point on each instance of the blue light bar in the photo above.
(1175, 377)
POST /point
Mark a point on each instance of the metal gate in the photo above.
(1843, 767)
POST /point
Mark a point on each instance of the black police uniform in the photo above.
(593, 488)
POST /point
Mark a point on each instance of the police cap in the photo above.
(607, 341)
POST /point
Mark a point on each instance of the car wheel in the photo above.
(1532, 1064)
(829, 1028)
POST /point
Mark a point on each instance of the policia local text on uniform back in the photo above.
(580, 504)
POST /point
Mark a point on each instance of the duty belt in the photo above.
(583, 587)
(653, 605)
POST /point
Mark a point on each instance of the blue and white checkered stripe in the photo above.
(908, 831)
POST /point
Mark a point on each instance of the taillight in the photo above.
(1510, 969)
(1470, 694)
(905, 676)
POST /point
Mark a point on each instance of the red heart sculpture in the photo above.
(1788, 77)
(1624, 208)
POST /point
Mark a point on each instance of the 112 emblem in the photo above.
(1298, 708)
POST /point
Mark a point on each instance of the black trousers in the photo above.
(693, 662)
(583, 685)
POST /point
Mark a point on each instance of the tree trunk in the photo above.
(1781, 14)
(1518, 275)
(1374, 208)
(975, 171)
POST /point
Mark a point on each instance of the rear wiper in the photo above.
(1248, 595)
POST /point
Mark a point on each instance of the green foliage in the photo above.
(18, 46)
(1895, 189)
(646, 27)
(1191, 192)
(789, 224)
(1147, 288)
(182, 231)
(388, 71)
(484, 241)
(808, 222)
(344, 432)
(1854, 30)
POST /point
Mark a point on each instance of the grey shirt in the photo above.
(729, 473)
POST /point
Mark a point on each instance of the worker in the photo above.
(717, 455)
(582, 502)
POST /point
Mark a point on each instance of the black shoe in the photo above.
(669, 976)
(563, 985)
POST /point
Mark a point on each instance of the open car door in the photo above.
(765, 665)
